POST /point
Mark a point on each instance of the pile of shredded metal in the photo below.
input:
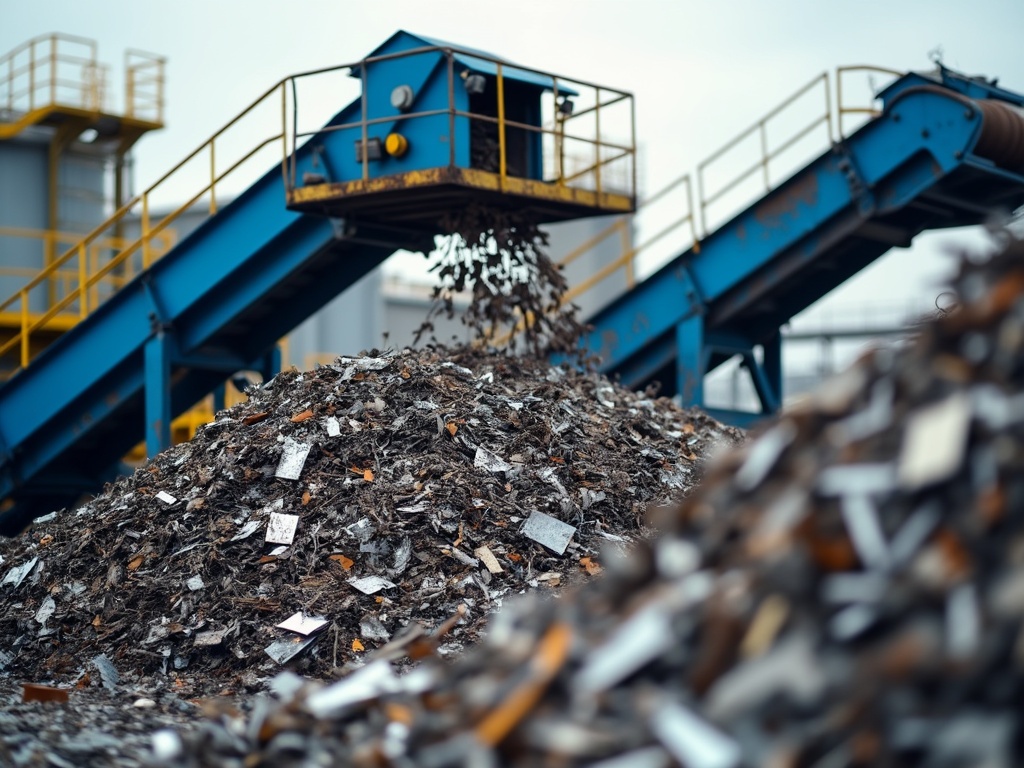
(391, 500)
(848, 590)
(499, 257)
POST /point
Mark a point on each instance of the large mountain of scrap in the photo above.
(393, 499)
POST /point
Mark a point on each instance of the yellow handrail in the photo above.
(67, 280)
(832, 118)
(59, 72)
(598, 141)
(144, 85)
(767, 155)
(844, 110)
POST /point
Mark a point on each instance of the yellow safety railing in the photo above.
(64, 282)
(605, 152)
(204, 170)
(767, 152)
(621, 226)
(144, 86)
(867, 110)
(52, 69)
(829, 113)
(58, 71)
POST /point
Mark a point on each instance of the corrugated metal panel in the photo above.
(23, 205)
(81, 191)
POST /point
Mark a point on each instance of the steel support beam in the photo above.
(691, 360)
(771, 373)
(270, 365)
(158, 392)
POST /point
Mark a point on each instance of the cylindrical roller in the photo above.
(1002, 134)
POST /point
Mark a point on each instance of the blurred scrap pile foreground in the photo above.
(847, 590)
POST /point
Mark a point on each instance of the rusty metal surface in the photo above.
(1002, 134)
(423, 197)
(787, 200)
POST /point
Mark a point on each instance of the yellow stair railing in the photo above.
(64, 281)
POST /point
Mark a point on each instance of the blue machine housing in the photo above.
(471, 132)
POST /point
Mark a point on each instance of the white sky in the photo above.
(701, 70)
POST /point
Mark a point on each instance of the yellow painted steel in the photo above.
(597, 145)
(467, 177)
(213, 179)
(502, 157)
(70, 283)
(69, 279)
(83, 276)
(147, 251)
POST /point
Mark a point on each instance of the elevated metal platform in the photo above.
(945, 151)
(56, 81)
(341, 199)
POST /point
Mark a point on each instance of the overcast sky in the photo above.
(701, 70)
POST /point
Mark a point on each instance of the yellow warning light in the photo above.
(396, 144)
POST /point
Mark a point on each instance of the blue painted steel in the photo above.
(158, 392)
(430, 145)
(908, 170)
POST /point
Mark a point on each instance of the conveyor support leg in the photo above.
(271, 363)
(220, 398)
(691, 360)
(158, 393)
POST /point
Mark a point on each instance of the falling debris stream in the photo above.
(499, 257)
